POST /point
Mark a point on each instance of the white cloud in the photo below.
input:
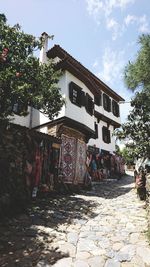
(94, 7)
(95, 64)
(112, 66)
(106, 6)
(130, 19)
(101, 10)
(141, 22)
(131, 44)
(114, 26)
(111, 23)
(110, 5)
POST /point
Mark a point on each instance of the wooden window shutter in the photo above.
(89, 104)
(106, 102)
(76, 95)
(118, 112)
(109, 104)
(97, 100)
(96, 130)
(106, 135)
(70, 92)
(82, 98)
(115, 108)
(19, 107)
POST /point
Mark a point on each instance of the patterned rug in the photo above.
(68, 158)
(80, 162)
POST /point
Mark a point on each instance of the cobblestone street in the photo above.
(104, 227)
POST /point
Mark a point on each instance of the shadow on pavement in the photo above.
(27, 238)
(22, 245)
(112, 188)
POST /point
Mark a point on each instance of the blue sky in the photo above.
(101, 34)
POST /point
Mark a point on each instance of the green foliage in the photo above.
(23, 80)
(117, 149)
(137, 128)
(136, 73)
(128, 154)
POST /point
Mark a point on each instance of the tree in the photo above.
(136, 74)
(126, 152)
(23, 80)
(137, 78)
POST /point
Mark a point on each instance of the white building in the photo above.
(90, 115)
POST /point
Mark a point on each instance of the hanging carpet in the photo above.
(68, 158)
(80, 162)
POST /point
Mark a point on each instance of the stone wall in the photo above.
(52, 130)
(12, 184)
(17, 147)
(60, 129)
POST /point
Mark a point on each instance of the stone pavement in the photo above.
(104, 227)
(113, 237)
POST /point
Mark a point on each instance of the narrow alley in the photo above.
(104, 227)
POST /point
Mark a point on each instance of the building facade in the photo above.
(89, 117)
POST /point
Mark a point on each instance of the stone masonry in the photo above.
(116, 234)
(105, 227)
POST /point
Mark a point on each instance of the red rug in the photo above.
(68, 158)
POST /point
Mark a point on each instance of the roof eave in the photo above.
(65, 56)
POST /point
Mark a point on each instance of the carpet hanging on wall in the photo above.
(80, 162)
(68, 158)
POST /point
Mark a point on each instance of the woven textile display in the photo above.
(80, 162)
(68, 158)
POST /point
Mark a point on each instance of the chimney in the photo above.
(43, 51)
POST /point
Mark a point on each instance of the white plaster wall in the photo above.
(99, 141)
(39, 118)
(74, 112)
(21, 120)
(43, 130)
(110, 115)
(69, 110)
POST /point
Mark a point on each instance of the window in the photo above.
(76, 95)
(89, 104)
(97, 100)
(115, 108)
(106, 135)
(19, 107)
(96, 130)
(106, 102)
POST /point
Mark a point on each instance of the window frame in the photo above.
(19, 107)
(89, 106)
(96, 130)
(115, 108)
(98, 100)
(106, 102)
(106, 134)
(80, 94)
